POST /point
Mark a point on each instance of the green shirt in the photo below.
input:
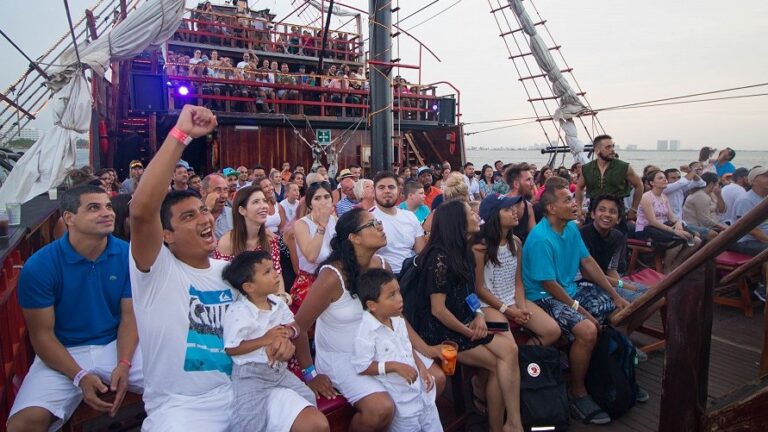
(612, 182)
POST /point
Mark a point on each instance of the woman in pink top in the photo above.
(656, 221)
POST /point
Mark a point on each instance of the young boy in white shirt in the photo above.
(383, 350)
(267, 396)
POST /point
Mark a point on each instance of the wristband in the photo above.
(620, 284)
(575, 305)
(480, 313)
(309, 373)
(79, 377)
(382, 368)
(503, 308)
(295, 331)
(125, 363)
(180, 136)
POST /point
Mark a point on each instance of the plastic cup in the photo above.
(450, 350)
(14, 213)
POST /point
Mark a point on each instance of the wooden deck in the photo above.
(734, 362)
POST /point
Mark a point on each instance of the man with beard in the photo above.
(520, 180)
(608, 175)
(180, 178)
(405, 236)
(136, 170)
(424, 174)
(180, 297)
(215, 194)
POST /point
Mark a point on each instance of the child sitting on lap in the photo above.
(383, 350)
(267, 396)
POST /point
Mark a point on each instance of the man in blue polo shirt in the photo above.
(553, 254)
(75, 294)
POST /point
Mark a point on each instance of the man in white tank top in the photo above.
(405, 236)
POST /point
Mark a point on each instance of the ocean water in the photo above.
(637, 158)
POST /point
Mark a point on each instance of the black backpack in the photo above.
(409, 278)
(610, 379)
(543, 400)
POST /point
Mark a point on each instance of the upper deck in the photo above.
(250, 69)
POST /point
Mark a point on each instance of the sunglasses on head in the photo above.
(375, 223)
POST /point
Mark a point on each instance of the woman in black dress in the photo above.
(448, 279)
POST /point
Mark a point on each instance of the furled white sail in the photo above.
(45, 164)
(570, 105)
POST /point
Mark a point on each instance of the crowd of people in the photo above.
(235, 300)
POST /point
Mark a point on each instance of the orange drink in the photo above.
(449, 350)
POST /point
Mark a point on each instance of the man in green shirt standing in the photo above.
(608, 175)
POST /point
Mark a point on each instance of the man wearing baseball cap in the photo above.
(757, 239)
(136, 169)
(732, 192)
(347, 191)
(424, 174)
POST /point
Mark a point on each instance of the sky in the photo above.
(622, 52)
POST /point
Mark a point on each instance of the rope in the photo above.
(435, 15)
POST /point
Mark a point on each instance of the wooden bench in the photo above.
(726, 263)
(130, 416)
(649, 278)
(637, 247)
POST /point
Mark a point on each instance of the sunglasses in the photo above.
(375, 223)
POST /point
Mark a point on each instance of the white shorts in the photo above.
(284, 407)
(351, 385)
(209, 412)
(428, 420)
(49, 389)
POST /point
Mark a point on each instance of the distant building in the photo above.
(662, 145)
(631, 146)
(14, 134)
(674, 145)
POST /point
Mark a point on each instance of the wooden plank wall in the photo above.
(271, 146)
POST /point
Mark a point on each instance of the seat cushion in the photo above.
(330, 405)
(732, 259)
(647, 277)
(636, 242)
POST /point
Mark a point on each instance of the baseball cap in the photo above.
(740, 173)
(182, 163)
(423, 170)
(344, 174)
(756, 172)
(495, 202)
(230, 172)
(135, 164)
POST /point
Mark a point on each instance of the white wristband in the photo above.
(503, 308)
(382, 368)
(575, 305)
(79, 377)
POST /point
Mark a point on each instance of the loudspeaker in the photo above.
(148, 93)
(446, 110)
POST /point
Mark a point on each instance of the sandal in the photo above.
(588, 411)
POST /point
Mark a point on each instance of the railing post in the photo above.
(686, 365)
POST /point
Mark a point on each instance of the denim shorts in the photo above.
(590, 297)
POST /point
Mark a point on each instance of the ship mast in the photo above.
(380, 67)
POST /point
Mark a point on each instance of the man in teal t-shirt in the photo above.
(553, 255)
(414, 200)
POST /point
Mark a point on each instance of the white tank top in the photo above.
(325, 249)
(290, 211)
(336, 328)
(273, 221)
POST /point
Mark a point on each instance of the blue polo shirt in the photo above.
(549, 255)
(724, 168)
(85, 295)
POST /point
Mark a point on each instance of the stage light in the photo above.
(169, 84)
(183, 90)
(434, 107)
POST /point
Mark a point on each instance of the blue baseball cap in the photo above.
(230, 171)
(495, 202)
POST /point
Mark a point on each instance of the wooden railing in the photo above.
(16, 354)
(688, 290)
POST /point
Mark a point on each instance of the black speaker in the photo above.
(446, 110)
(149, 93)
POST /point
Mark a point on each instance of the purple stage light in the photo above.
(183, 90)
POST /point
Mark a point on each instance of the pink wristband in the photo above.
(181, 136)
